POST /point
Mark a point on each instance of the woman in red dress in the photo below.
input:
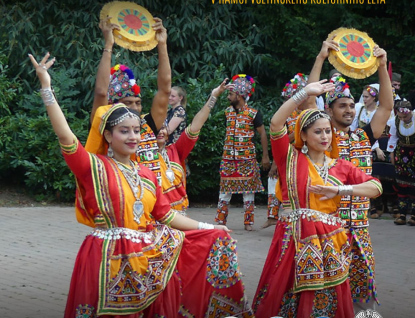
(137, 262)
(306, 271)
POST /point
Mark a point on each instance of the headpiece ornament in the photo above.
(306, 118)
(299, 81)
(244, 85)
(122, 84)
(341, 90)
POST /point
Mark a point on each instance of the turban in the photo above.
(341, 90)
(122, 84)
(244, 85)
(299, 81)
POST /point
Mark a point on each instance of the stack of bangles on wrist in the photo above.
(300, 96)
(205, 226)
(47, 96)
(212, 101)
(345, 190)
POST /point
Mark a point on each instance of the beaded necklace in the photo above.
(136, 184)
(169, 172)
(323, 171)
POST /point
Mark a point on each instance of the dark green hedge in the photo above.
(206, 43)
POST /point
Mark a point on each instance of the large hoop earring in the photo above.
(304, 148)
(110, 152)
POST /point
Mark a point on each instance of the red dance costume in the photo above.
(306, 271)
(133, 264)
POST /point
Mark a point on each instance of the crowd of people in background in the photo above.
(337, 161)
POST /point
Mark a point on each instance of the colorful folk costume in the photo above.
(356, 147)
(123, 84)
(299, 81)
(307, 267)
(239, 170)
(172, 170)
(133, 264)
(363, 115)
(402, 143)
(382, 169)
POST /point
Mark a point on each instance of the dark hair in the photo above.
(117, 114)
(402, 104)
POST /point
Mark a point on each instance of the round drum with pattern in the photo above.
(355, 56)
(135, 23)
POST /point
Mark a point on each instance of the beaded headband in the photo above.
(120, 119)
(122, 84)
(104, 119)
(244, 85)
(299, 81)
(312, 117)
(306, 118)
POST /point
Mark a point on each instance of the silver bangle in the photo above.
(345, 190)
(205, 226)
(212, 101)
(47, 96)
(300, 96)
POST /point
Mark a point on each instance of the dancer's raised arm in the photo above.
(312, 89)
(203, 114)
(384, 110)
(161, 99)
(56, 116)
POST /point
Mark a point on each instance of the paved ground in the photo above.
(39, 246)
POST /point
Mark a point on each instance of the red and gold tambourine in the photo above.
(355, 56)
(136, 33)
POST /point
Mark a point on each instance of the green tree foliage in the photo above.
(207, 42)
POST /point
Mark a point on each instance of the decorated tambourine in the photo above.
(355, 57)
(136, 33)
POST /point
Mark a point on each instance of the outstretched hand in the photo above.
(328, 44)
(327, 192)
(317, 88)
(216, 92)
(42, 68)
(161, 32)
(107, 29)
(381, 55)
(222, 227)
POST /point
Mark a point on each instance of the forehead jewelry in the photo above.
(120, 119)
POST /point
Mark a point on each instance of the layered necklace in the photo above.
(169, 171)
(323, 170)
(136, 185)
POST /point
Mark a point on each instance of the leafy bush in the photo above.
(31, 151)
(206, 43)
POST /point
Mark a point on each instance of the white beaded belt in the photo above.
(291, 216)
(122, 232)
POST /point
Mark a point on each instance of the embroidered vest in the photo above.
(239, 133)
(147, 152)
(357, 149)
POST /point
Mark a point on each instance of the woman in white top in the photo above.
(402, 144)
